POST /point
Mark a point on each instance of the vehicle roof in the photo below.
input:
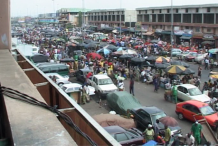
(101, 76)
(197, 103)
(51, 65)
(53, 74)
(114, 129)
(151, 109)
(188, 86)
(72, 85)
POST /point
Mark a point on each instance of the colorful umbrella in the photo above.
(162, 60)
(119, 49)
(94, 56)
(105, 51)
(175, 69)
(188, 71)
(111, 47)
(169, 121)
(214, 76)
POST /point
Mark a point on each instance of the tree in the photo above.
(80, 19)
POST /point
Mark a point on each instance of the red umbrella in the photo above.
(169, 121)
(94, 55)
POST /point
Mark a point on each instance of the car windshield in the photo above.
(105, 81)
(194, 91)
(193, 54)
(156, 116)
(207, 110)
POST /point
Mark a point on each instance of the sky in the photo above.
(34, 7)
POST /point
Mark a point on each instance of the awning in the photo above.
(208, 37)
(148, 33)
(185, 37)
(197, 35)
(165, 32)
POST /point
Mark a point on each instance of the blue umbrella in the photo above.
(105, 51)
(119, 49)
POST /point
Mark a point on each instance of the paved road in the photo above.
(147, 97)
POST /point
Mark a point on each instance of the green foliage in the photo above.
(80, 19)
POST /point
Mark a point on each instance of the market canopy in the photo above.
(207, 43)
(188, 71)
(213, 51)
(104, 51)
(175, 69)
(161, 65)
(180, 63)
(162, 59)
(137, 60)
(151, 58)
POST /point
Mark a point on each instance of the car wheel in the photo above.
(60, 84)
(180, 116)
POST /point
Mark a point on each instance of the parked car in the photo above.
(143, 116)
(122, 101)
(200, 57)
(182, 55)
(81, 75)
(191, 92)
(195, 110)
(175, 52)
(61, 69)
(60, 80)
(74, 87)
(126, 137)
(191, 56)
(102, 84)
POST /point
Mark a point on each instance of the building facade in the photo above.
(110, 18)
(71, 15)
(194, 23)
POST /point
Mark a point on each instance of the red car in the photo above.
(191, 56)
(126, 137)
(187, 110)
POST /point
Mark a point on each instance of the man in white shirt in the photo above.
(87, 92)
(121, 85)
(190, 140)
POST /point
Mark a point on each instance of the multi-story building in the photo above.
(194, 23)
(47, 18)
(110, 18)
(71, 15)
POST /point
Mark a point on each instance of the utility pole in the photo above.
(130, 23)
(120, 18)
(172, 30)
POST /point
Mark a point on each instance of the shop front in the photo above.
(148, 35)
(186, 39)
(208, 41)
(177, 35)
(197, 38)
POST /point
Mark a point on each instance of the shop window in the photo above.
(209, 30)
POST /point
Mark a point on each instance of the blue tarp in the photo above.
(150, 143)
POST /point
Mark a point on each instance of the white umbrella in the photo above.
(130, 51)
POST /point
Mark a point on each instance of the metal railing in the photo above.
(53, 95)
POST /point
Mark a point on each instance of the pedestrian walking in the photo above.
(189, 140)
(149, 133)
(206, 61)
(199, 71)
(167, 137)
(155, 82)
(196, 132)
(131, 86)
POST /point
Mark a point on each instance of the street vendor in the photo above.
(149, 133)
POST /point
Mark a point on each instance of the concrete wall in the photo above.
(5, 25)
(129, 13)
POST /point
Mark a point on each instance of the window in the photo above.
(139, 12)
(177, 10)
(186, 10)
(207, 110)
(185, 90)
(146, 11)
(208, 30)
(142, 114)
(152, 11)
(121, 137)
(195, 110)
(194, 92)
(208, 9)
(160, 11)
(180, 88)
(168, 10)
(188, 107)
(197, 10)
(197, 29)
